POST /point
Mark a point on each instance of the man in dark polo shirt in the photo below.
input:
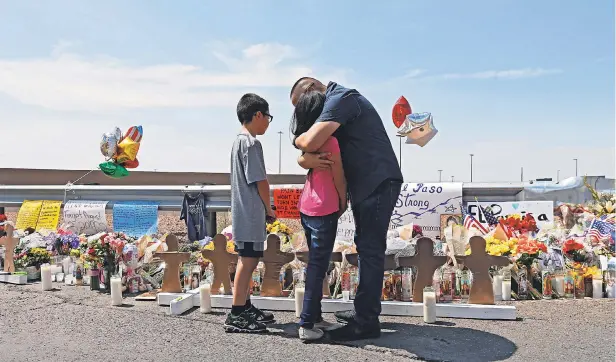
(374, 180)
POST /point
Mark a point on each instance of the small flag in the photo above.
(470, 222)
(489, 215)
(601, 230)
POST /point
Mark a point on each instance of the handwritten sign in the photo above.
(86, 217)
(286, 201)
(49, 216)
(423, 203)
(418, 203)
(543, 211)
(28, 214)
(135, 218)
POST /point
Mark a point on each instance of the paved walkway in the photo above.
(75, 324)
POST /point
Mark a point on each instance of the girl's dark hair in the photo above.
(307, 110)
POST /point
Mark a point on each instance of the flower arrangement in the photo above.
(528, 250)
(574, 251)
(519, 224)
(498, 247)
(603, 203)
(32, 257)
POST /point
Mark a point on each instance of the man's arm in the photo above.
(316, 136)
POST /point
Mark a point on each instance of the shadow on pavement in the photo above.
(429, 342)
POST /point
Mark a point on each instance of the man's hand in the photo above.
(271, 215)
(315, 160)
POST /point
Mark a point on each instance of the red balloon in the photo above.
(402, 108)
(131, 164)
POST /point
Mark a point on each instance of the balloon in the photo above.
(418, 128)
(127, 151)
(401, 109)
(108, 145)
(118, 133)
(112, 169)
(131, 164)
(134, 133)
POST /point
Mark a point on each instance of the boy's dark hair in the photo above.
(249, 105)
(307, 110)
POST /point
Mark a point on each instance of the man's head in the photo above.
(253, 113)
(304, 85)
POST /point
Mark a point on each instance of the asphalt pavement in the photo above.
(76, 324)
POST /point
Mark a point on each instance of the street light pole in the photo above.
(451, 178)
(557, 176)
(279, 152)
(472, 166)
(576, 166)
(400, 137)
(440, 173)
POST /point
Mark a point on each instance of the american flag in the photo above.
(489, 215)
(470, 222)
(609, 218)
(600, 229)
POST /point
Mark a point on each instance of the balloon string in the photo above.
(71, 183)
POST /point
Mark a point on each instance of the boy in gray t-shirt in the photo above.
(250, 207)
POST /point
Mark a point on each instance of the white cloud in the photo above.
(502, 74)
(69, 81)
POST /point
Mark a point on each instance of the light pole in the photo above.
(576, 166)
(440, 173)
(557, 176)
(472, 166)
(451, 178)
(279, 152)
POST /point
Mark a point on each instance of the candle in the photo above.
(506, 290)
(46, 277)
(597, 288)
(56, 269)
(69, 280)
(497, 287)
(205, 298)
(66, 262)
(346, 295)
(559, 285)
(116, 290)
(429, 305)
(299, 301)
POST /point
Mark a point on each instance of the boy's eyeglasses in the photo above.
(271, 118)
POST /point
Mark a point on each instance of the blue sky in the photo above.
(518, 83)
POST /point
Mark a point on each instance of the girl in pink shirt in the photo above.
(323, 200)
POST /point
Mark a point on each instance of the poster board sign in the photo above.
(28, 214)
(418, 203)
(286, 202)
(543, 211)
(85, 217)
(135, 218)
(49, 215)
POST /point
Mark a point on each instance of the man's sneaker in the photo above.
(326, 326)
(243, 323)
(354, 332)
(310, 334)
(345, 316)
(260, 316)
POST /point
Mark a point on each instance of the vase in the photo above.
(33, 273)
(94, 279)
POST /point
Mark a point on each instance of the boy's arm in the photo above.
(264, 192)
(339, 181)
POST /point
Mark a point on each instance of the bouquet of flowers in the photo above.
(529, 250)
(575, 251)
(603, 203)
(518, 225)
(32, 257)
(498, 247)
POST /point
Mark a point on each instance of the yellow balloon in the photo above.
(127, 150)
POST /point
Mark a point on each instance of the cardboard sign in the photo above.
(286, 202)
(86, 217)
(28, 214)
(135, 218)
(49, 215)
(543, 211)
(418, 203)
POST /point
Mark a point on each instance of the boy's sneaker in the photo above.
(260, 316)
(243, 323)
(310, 334)
(326, 326)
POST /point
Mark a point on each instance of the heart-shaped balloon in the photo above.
(109, 145)
(401, 109)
